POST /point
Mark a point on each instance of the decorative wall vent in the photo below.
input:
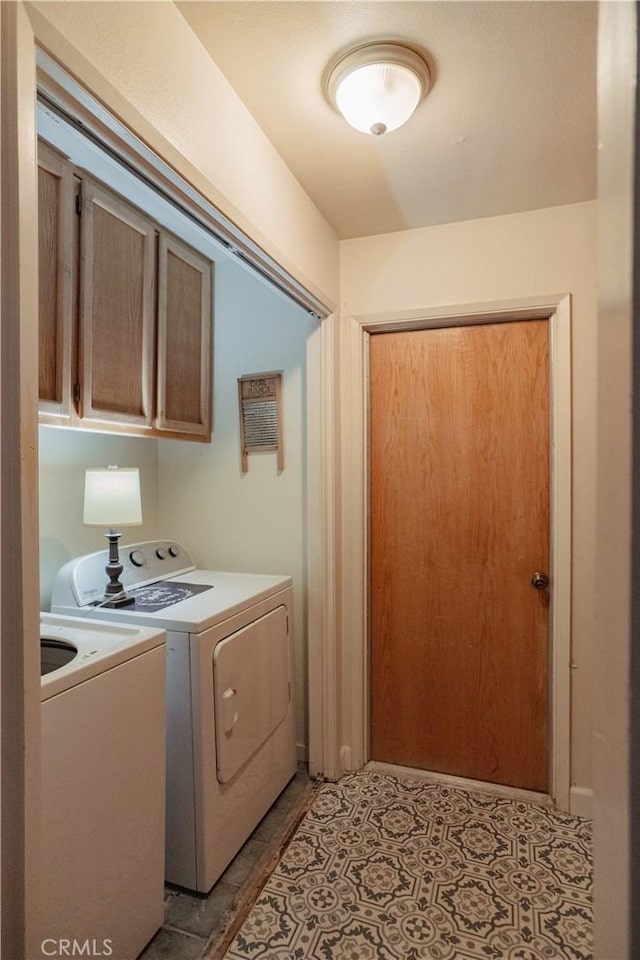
(259, 396)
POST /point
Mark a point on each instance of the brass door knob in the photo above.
(540, 581)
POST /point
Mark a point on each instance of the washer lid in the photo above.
(100, 646)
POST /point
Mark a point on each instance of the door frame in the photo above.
(19, 593)
(354, 574)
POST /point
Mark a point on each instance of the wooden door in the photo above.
(185, 318)
(117, 309)
(459, 523)
(57, 244)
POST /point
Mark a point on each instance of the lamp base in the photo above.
(114, 594)
(124, 601)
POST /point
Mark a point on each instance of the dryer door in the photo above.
(251, 689)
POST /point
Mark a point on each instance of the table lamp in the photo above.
(112, 499)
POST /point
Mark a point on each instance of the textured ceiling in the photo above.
(508, 125)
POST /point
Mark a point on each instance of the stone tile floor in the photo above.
(198, 927)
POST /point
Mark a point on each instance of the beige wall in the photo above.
(172, 94)
(616, 122)
(527, 255)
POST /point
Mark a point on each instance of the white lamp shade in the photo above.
(112, 497)
(378, 96)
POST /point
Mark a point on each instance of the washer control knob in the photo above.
(137, 558)
(173, 550)
(161, 553)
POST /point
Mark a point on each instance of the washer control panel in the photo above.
(82, 581)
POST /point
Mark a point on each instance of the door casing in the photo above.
(353, 574)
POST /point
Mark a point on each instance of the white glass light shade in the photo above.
(378, 97)
(112, 497)
(377, 86)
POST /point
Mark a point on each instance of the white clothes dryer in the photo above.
(230, 709)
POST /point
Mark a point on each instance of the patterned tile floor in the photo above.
(389, 869)
(198, 927)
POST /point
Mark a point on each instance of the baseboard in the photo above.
(581, 802)
(446, 779)
(303, 753)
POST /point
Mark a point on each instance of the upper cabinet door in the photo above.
(117, 308)
(57, 246)
(185, 319)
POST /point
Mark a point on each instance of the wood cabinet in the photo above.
(56, 251)
(184, 338)
(126, 314)
(117, 309)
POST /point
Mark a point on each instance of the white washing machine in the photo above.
(103, 780)
(230, 711)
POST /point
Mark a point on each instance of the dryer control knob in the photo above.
(161, 553)
(173, 550)
(137, 558)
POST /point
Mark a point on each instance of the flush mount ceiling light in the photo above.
(377, 86)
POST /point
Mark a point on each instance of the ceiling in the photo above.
(508, 125)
